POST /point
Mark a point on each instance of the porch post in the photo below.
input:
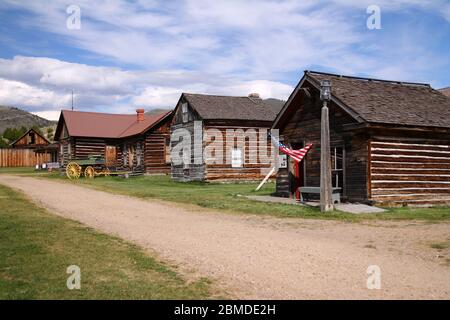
(326, 203)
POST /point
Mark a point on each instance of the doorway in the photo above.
(111, 156)
(296, 172)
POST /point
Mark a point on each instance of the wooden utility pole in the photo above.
(326, 203)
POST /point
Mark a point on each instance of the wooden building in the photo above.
(390, 141)
(209, 119)
(30, 140)
(43, 150)
(138, 142)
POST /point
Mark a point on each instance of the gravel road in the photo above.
(263, 257)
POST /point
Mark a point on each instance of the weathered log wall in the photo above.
(409, 172)
(248, 140)
(157, 150)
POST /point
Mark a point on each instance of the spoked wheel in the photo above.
(89, 172)
(73, 170)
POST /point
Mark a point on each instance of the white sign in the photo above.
(282, 160)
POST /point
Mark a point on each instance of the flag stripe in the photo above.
(297, 155)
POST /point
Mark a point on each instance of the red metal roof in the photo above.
(107, 125)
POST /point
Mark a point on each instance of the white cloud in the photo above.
(44, 85)
(50, 115)
(16, 93)
(219, 47)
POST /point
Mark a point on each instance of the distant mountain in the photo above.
(16, 118)
(277, 104)
(158, 111)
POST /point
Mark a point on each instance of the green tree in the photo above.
(3, 143)
(12, 134)
(37, 129)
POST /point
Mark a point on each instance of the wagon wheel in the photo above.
(89, 172)
(73, 170)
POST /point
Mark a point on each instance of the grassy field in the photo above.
(231, 197)
(36, 248)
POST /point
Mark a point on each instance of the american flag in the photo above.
(297, 155)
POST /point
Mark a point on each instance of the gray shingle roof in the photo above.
(213, 107)
(390, 102)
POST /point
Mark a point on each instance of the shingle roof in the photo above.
(107, 125)
(390, 102)
(214, 107)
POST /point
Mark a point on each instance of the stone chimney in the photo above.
(140, 114)
(254, 95)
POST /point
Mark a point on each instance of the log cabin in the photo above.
(390, 140)
(43, 150)
(137, 143)
(31, 139)
(207, 119)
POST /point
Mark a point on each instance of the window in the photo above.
(32, 138)
(167, 150)
(184, 112)
(282, 161)
(337, 166)
(236, 158)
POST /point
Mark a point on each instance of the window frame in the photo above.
(234, 163)
(184, 112)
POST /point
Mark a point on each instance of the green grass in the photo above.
(20, 170)
(440, 245)
(36, 248)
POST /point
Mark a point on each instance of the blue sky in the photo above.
(130, 54)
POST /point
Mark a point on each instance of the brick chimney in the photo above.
(254, 95)
(140, 114)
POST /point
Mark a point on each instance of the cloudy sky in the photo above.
(129, 54)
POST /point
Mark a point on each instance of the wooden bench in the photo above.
(335, 194)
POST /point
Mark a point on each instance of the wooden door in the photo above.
(111, 156)
(296, 173)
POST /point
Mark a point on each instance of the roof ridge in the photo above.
(158, 117)
(213, 95)
(256, 101)
(369, 79)
(103, 113)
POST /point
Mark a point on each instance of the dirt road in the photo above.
(264, 257)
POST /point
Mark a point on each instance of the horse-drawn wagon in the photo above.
(90, 167)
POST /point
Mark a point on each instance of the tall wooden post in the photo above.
(326, 203)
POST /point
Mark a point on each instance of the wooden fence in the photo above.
(22, 158)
